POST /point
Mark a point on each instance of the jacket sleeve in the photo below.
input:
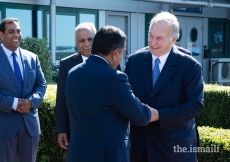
(125, 102)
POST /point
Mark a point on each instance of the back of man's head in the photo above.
(107, 39)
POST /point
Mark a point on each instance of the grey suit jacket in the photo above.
(33, 89)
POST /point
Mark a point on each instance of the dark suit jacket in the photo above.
(34, 88)
(100, 104)
(178, 97)
(62, 119)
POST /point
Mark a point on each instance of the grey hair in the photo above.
(170, 19)
(85, 25)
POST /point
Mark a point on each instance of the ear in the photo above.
(1, 35)
(114, 54)
(174, 39)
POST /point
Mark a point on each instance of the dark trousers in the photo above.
(144, 157)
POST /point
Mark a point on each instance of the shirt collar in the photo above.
(162, 58)
(9, 52)
(84, 58)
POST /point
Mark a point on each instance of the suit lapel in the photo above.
(5, 62)
(146, 69)
(168, 70)
(78, 59)
(26, 68)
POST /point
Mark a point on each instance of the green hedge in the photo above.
(39, 47)
(216, 112)
(214, 139)
(49, 151)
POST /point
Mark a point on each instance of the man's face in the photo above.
(159, 39)
(12, 37)
(84, 41)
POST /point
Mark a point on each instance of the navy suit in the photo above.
(61, 114)
(100, 105)
(178, 97)
(34, 88)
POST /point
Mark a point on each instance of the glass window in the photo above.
(87, 18)
(65, 36)
(39, 24)
(25, 20)
(193, 35)
(217, 38)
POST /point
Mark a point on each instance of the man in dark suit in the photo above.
(22, 88)
(171, 82)
(84, 34)
(100, 103)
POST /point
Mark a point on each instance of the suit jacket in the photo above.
(100, 104)
(62, 119)
(33, 89)
(178, 97)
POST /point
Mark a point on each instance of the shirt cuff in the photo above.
(15, 104)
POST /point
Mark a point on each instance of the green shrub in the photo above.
(49, 150)
(39, 47)
(216, 112)
(218, 140)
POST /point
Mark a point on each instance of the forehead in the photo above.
(161, 28)
(84, 33)
(12, 26)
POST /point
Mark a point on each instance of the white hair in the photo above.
(85, 25)
(170, 19)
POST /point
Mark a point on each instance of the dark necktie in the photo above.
(17, 71)
(156, 71)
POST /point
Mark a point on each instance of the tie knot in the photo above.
(157, 60)
(13, 54)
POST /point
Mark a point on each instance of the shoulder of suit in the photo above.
(70, 56)
(139, 53)
(26, 52)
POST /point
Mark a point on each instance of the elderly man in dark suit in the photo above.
(171, 82)
(22, 88)
(100, 103)
(84, 34)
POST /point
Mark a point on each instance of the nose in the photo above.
(87, 43)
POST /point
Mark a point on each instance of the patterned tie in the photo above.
(156, 71)
(17, 71)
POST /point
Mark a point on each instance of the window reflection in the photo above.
(39, 24)
(65, 36)
(87, 18)
(25, 20)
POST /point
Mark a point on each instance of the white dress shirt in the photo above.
(10, 58)
(162, 58)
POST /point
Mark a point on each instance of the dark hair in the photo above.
(7, 21)
(107, 39)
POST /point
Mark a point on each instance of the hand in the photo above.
(62, 140)
(154, 114)
(23, 105)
